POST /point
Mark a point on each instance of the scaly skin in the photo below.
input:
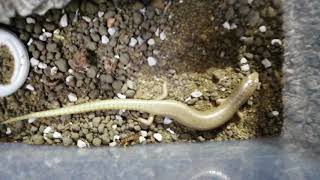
(199, 120)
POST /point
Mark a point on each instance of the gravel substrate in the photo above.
(92, 50)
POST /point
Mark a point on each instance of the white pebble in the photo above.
(226, 25)
(8, 132)
(158, 137)
(42, 37)
(196, 94)
(152, 61)
(42, 65)
(167, 120)
(30, 87)
(47, 34)
(162, 36)
(118, 118)
(266, 63)
(275, 113)
(81, 144)
(56, 135)
(104, 39)
(72, 97)
(121, 96)
(69, 78)
(31, 120)
(86, 18)
(70, 71)
(262, 29)
(157, 33)
(250, 1)
(243, 61)
(117, 56)
(47, 130)
(53, 70)
(112, 144)
(151, 42)
(143, 11)
(144, 133)
(133, 42)
(245, 67)
(233, 26)
(114, 126)
(34, 62)
(188, 99)
(276, 41)
(100, 14)
(64, 21)
(170, 131)
(30, 42)
(116, 137)
(142, 139)
(111, 31)
(140, 40)
(30, 20)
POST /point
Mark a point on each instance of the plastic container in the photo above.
(293, 155)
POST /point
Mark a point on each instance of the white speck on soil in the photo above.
(100, 14)
(144, 133)
(163, 36)
(196, 94)
(114, 126)
(31, 120)
(157, 33)
(151, 42)
(30, 42)
(140, 40)
(86, 18)
(42, 65)
(72, 97)
(64, 21)
(133, 42)
(56, 135)
(8, 131)
(226, 25)
(275, 113)
(47, 130)
(167, 120)
(170, 131)
(276, 41)
(68, 79)
(245, 67)
(53, 70)
(112, 144)
(266, 63)
(30, 20)
(158, 137)
(262, 29)
(142, 139)
(121, 96)
(250, 1)
(243, 61)
(111, 31)
(34, 62)
(81, 144)
(30, 87)
(152, 61)
(104, 39)
(116, 137)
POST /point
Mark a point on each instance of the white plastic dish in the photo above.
(21, 62)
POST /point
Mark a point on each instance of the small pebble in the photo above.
(53, 71)
(121, 96)
(64, 21)
(30, 87)
(266, 63)
(42, 65)
(72, 97)
(47, 130)
(170, 131)
(196, 94)
(276, 41)
(142, 139)
(275, 113)
(31, 120)
(162, 36)
(30, 42)
(151, 42)
(86, 18)
(34, 62)
(226, 25)
(30, 20)
(152, 61)
(8, 131)
(133, 42)
(57, 135)
(158, 137)
(100, 14)
(157, 33)
(112, 144)
(243, 61)
(144, 133)
(111, 31)
(104, 39)
(245, 67)
(262, 29)
(81, 144)
(167, 120)
(140, 40)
